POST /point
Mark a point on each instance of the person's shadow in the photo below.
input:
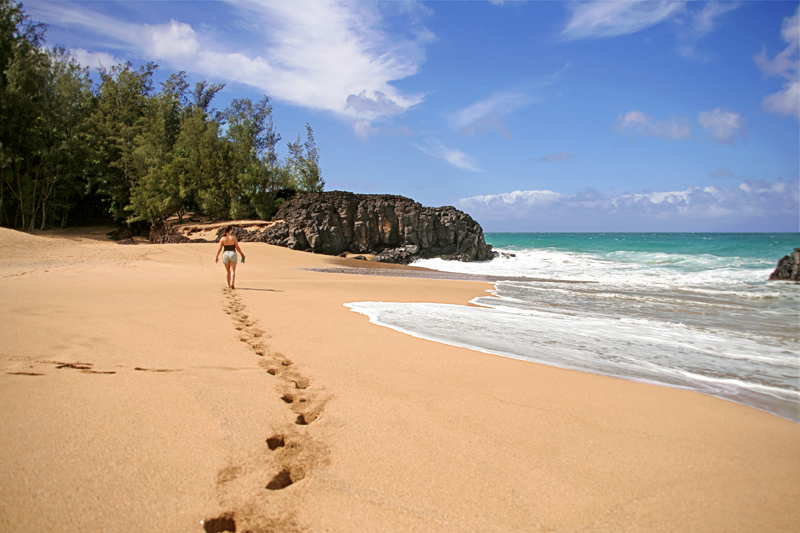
(254, 289)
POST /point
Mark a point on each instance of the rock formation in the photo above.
(788, 267)
(393, 229)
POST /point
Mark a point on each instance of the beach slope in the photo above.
(139, 394)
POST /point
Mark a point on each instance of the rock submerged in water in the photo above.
(393, 229)
(788, 267)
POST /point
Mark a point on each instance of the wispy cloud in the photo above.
(721, 173)
(94, 59)
(637, 123)
(120, 34)
(601, 18)
(692, 21)
(551, 158)
(487, 115)
(331, 55)
(786, 65)
(454, 156)
(701, 24)
(725, 126)
(752, 199)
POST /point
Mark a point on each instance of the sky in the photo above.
(538, 116)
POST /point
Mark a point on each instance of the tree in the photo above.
(303, 163)
(204, 93)
(44, 97)
(63, 165)
(256, 173)
(199, 165)
(112, 130)
(143, 155)
(179, 156)
(23, 80)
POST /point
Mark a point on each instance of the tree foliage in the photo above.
(141, 153)
(303, 163)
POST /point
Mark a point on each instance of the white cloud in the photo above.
(454, 156)
(363, 129)
(487, 115)
(725, 126)
(636, 122)
(517, 204)
(560, 156)
(332, 55)
(175, 41)
(94, 59)
(600, 18)
(752, 199)
(785, 102)
(785, 64)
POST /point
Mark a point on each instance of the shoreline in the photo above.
(768, 403)
(776, 408)
(401, 434)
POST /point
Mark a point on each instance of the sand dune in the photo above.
(138, 394)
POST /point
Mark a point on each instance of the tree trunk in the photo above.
(46, 197)
(34, 207)
(21, 202)
(2, 196)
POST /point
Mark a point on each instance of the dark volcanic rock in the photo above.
(392, 228)
(166, 233)
(788, 267)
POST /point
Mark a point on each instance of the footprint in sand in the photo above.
(276, 441)
(292, 452)
(224, 522)
(85, 368)
(286, 477)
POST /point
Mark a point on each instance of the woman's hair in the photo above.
(227, 229)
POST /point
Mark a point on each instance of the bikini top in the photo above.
(229, 247)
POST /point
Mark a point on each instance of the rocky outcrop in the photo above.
(394, 229)
(174, 231)
(788, 267)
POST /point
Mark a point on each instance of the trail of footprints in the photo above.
(291, 452)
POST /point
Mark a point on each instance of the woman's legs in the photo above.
(232, 275)
(228, 270)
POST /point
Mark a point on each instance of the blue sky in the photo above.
(530, 116)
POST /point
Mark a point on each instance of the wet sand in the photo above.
(139, 394)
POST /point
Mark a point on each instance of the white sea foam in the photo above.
(643, 350)
(690, 320)
(622, 268)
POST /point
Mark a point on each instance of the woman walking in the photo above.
(230, 243)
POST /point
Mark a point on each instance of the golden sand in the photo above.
(138, 394)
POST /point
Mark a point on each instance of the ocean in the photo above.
(687, 310)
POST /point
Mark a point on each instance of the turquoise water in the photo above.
(768, 247)
(693, 311)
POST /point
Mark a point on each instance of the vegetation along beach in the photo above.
(548, 282)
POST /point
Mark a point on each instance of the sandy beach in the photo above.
(139, 394)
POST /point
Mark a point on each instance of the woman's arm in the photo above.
(218, 251)
(236, 243)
